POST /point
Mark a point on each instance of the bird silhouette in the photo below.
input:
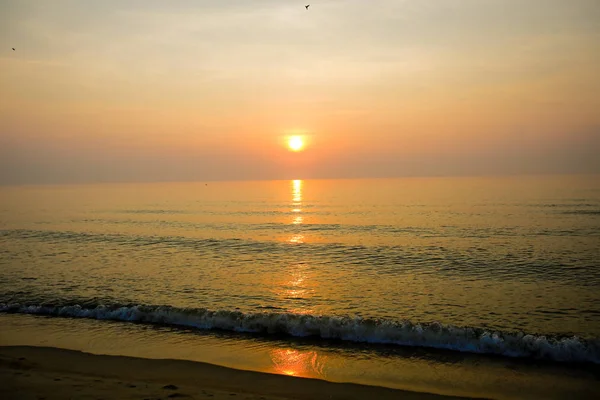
(13, 49)
(308, 5)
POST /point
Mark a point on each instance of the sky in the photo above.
(180, 90)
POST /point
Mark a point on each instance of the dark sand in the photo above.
(51, 373)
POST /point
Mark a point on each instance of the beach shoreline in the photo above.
(52, 373)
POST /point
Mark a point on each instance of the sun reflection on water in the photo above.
(297, 239)
(297, 191)
(296, 205)
(307, 364)
(294, 289)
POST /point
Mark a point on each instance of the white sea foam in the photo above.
(404, 333)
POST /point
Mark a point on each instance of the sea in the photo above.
(474, 286)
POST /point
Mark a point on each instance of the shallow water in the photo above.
(408, 368)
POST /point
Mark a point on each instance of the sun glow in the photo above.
(296, 143)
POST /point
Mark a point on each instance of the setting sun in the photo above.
(296, 143)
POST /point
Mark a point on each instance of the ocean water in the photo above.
(332, 272)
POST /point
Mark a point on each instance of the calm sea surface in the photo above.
(503, 266)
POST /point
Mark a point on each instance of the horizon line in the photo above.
(232, 180)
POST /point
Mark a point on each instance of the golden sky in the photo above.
(146, 90)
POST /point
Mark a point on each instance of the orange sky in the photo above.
(207, 90)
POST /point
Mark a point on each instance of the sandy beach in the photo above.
(51, 373)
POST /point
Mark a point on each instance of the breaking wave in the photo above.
(359, 330)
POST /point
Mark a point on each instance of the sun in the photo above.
(296, 143)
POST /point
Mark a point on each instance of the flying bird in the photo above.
(13, 49)
(308, 5)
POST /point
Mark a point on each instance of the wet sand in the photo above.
(51, 373)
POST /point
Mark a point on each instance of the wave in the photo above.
(582, 212)
(154, 211)
(512, 260)
(351, 329)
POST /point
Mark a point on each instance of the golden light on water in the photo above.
(296, 205)
(294, 287)
(296, 363)
(297, 239)
(297, 191)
